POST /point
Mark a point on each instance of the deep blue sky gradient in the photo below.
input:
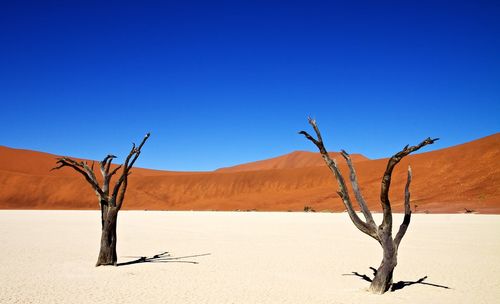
(225, 82)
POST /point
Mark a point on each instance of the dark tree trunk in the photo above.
(383, 279)
(383, 276)
(107, 252)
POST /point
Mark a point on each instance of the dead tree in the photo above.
(382, 233)
(110, 200)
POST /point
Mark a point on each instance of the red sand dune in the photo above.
(446, 180)
(296, 159)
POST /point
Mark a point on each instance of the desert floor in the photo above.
(243, 257)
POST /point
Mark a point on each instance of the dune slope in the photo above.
(296, 159)
(447, 180)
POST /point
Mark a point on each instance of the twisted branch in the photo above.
(357, 192)
(386, 179)
(81, 168)
(343, 193)
(406, 221)
(122, 183)
(120, 187)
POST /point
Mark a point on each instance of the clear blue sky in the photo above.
(225, 82)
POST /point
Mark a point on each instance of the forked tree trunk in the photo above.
(383, 233)
(383, 276)
(110, 200)
(107, 252)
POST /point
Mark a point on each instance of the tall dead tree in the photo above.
(382, 233)
(110, 200)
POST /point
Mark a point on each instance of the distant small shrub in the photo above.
(309, 209)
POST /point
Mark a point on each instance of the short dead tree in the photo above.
(382, 233)
(110, 200)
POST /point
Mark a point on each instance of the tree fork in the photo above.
(383, 233)
(110, 203)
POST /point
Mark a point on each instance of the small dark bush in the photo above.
(309, 209)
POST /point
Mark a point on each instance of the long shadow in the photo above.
(402, 284)
(398, 285)
(163, 257)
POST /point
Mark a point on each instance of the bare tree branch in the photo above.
(357, 192)
(138, 150)
(80, 168)
(406, 221)
(312, 139)
(343, 193)
(121, 194)
(115, 170)
(89, 171)
(386, 179)
(133, 154)
(111, 157)
(105, 164)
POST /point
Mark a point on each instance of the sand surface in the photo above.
(242, 257)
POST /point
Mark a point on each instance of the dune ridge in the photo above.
(296, 159)
(449, 180)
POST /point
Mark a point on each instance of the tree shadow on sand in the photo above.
(163, 257)
(398, 285)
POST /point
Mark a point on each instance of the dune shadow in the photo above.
(398, 285)
(163, 257)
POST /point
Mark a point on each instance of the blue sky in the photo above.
(225, 82)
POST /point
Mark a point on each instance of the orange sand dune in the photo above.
(447, 180)
(41, 163)
(296, 159)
